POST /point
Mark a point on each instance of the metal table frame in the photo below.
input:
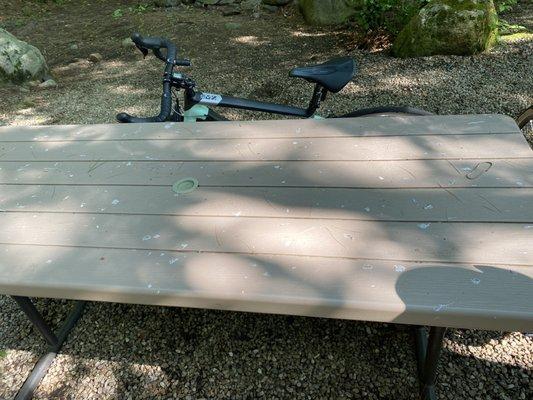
(428, 349)
(55, 341)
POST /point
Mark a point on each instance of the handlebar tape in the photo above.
(155, 44)
(166, 109)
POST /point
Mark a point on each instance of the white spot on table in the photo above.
(399, 268)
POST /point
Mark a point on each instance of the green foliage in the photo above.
(504, 5)
(505, 28)
(138, 9)
(391, 15)
(118, 13)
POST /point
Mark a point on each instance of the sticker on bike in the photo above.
(210, 98)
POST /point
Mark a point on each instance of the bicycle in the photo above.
(331, 76)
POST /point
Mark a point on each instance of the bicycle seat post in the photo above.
(319, 94)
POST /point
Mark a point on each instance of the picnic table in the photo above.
(425, 221)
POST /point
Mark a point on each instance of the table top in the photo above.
(419, 220)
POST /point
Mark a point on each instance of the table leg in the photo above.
(428, 349)
(55, 341)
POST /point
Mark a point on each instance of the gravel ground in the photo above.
(128, 351)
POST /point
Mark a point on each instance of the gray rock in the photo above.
(20, 61)
(73, 47)
(49, 83)
(329, 12)
(248, 5)
(269, 8)
(458, 27)
(232, 25)
(232, 10)
(166, 3)
(95, 57)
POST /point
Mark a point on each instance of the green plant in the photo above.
(118, 13)
(139, 8)
(504, 5)
(390, 15)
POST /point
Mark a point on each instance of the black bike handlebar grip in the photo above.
(185, 62)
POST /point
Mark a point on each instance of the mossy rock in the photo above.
(329, 12)
(460, 27)
(20, 61)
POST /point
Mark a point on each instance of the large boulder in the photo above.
(460, 27)
(20, 61)
(329, 12)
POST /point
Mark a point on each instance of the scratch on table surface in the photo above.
(454, 167)
(250, 148)
(488, 208)
(240, 152)
(217, 237)
(451, 194)
(115, 175)
(95, 165)
(489, 202)
(409, 172)
(479, 170)
(334, 238)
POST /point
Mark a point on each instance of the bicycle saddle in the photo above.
(332, 75)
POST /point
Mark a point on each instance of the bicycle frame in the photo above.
(210, 99)
(197, 104)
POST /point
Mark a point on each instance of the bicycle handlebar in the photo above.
(156, 44)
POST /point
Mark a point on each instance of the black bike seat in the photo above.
(332, 75)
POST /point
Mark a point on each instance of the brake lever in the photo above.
(142, 50)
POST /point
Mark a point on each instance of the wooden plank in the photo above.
(316, 149)
(466, 296)
(368, 126)
(474, 243)
(473, 204)
(377, 174)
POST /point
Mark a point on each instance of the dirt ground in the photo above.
(240, 55)
(139, 352)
